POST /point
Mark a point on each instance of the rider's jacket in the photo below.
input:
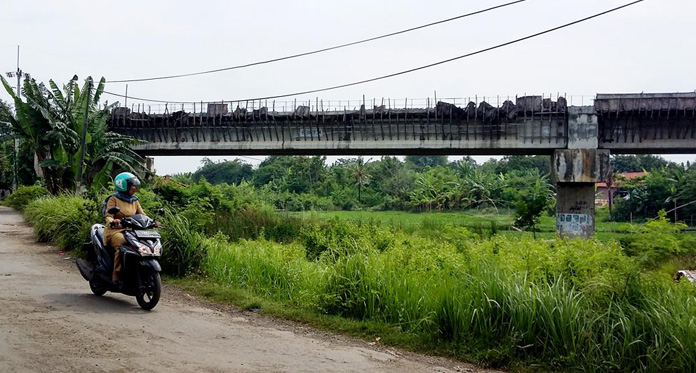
(127, 208)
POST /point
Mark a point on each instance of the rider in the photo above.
(126, 185)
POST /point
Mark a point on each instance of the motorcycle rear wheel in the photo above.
(147, 300)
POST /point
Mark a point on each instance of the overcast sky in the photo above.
(649, 47)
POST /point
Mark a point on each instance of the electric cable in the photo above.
(400, 72)
(318, 50)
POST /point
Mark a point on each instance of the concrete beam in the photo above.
(580, 165)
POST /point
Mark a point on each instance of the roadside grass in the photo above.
(370, 331)
(502, 301)
(63, 221)
(23, 196)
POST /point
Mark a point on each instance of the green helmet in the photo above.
(125, 180)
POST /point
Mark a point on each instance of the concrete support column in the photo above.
(575, 209)
(575, 172)
(150, 165)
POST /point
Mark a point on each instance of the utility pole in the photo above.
(19, 74)
(84, 136)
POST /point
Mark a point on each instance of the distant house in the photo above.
(604, 191)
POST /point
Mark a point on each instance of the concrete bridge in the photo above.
(579, 139)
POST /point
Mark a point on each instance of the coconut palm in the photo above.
(361, 175)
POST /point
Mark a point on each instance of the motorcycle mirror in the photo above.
(114, 210)
(160, 211)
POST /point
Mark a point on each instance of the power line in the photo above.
(318, 50)
(405, 71)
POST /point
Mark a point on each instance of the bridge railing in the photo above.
(320, 105)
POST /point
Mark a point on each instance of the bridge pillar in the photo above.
(575, 172)
(150, 165)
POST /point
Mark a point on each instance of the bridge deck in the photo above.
(531, 125)
(647, 123)
(632, 123)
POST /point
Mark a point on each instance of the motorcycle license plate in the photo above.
(147, 234)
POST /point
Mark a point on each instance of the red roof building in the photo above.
(604, 191)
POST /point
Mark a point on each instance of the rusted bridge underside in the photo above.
(647, 123)
(663, 123)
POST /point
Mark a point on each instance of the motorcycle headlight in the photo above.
(143, 249)
(157, 250)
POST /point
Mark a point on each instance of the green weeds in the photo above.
(24, 195)
(568, 304)
(64, 220)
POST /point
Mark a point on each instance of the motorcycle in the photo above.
(139, 266)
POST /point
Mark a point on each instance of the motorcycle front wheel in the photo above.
(97, 288)
(149, 290)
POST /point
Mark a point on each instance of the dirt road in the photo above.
(51, 322)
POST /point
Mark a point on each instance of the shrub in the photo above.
(657, 241)
(273, 270)
(183, 252)
(25, 195)
(63, 220)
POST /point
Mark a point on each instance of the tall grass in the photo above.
(63, 220)
(25, 195)
(183, 250)
(567, 304)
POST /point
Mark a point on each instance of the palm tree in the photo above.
(361, 175)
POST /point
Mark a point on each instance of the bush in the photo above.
(657, 241)
(63, 221)
(183, 252)
(569, 304)
(25, 195)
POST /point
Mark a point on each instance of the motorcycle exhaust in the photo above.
(85, 269)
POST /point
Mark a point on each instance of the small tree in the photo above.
(533, 203)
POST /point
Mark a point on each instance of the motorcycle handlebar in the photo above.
(126, 225)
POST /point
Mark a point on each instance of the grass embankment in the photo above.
(503, 301)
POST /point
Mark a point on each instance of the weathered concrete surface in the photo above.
(531, 137)
(580, 165)
(532, 126)
(150, 164)
(583, 128)
(647, 123)
(575, 210)
(626, 123)
(626, 102)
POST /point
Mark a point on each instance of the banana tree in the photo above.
(54, 118)
(30, 125)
